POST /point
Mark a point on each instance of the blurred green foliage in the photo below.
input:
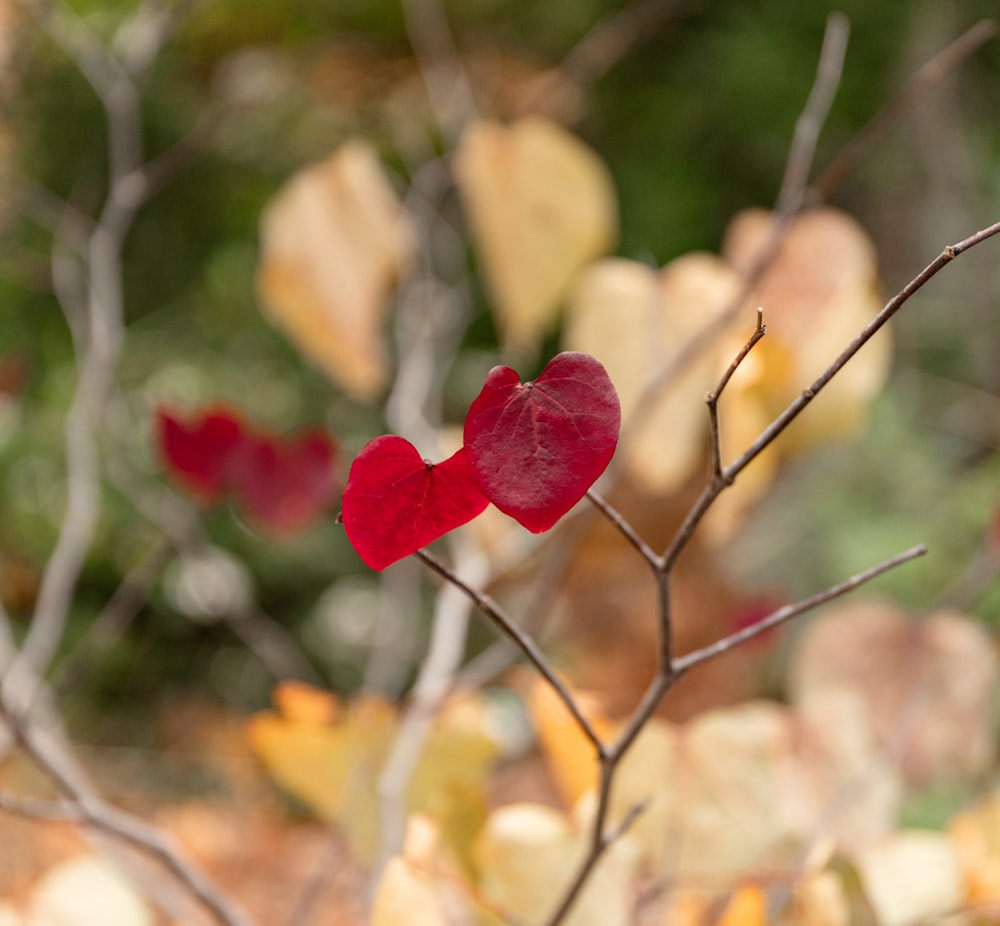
(694, 122)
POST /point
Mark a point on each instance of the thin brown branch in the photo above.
(599, 50)
(85, 807)
(624, 528)
(33, 808)
(98, 337)
(915, 90)
(448, 86)
(719, 482)
(782, 615)
(712, 399)
(790, 200)
(817, 108)
(521, 640)
(772, 431)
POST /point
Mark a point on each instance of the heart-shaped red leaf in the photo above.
(395, 502)
(536, 447)
(196, 451)
(284, 484)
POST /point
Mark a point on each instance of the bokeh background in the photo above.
(691, 104)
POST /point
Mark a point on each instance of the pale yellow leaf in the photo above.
(84, 891)
(330, 757)
(910, 877)
(406, 895)
(527, 856)
(637, 321)
(928, 685)
(333, 242)
(817, 295)
(540, 206)
(753, 787)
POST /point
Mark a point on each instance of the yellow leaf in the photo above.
(819, 292)
(910, 877)
(527, 855)
(540, 205)
(330, 757)
(84, 891)
(406, 895)
(636, 321)
(333, 241)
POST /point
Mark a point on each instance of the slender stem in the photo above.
(782, 615)
(712, 399)
(916, 89)
(523, 641)
(817, 108)
(624, 528)
(790, 200)
(773, 430)
(84, 806)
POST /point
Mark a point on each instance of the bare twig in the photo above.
(447, 84)
(624, 528)
(113, 621)
(786, 613)
(520, 639)
(724, 479)
(809, 124)
(712, 399)
(916, 89)
(98, 341)
(84, 806)
(790, 200)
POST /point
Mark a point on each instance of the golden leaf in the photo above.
(405, 894)
(333, 242)
(527, 855)
(540, 205)
(637, 321)
(330, 761)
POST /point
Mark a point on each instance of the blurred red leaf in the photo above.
(395, 502)
(196, 450)
(284, 484)
(537, 447)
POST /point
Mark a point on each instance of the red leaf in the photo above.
(196, 451)
(395, 503)
(537, 447)
(284, 485)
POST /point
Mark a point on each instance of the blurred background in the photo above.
(691, 105)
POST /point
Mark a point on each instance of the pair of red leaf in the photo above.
(283, 483)
(532, 449)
